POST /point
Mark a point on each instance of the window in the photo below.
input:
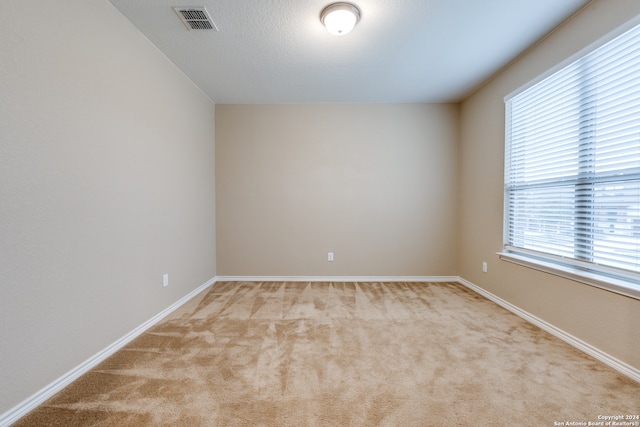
(572, 169)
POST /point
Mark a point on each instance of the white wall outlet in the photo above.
(484, 266)
(329, 256)
(165, 280)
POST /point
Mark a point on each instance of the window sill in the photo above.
(622, 287)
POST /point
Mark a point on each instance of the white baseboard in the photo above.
(26, 406)
(337, 279)
(607, 359)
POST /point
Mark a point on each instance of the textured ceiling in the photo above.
(277, 51)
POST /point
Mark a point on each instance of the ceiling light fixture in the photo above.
(340, 18)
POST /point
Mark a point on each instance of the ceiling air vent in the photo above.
(196, 18)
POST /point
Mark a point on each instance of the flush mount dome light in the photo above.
(340, 18)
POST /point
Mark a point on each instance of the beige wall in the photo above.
(375, 184)
(106, 183)
(606, 320)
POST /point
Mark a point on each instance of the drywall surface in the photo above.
(372, 183)
(608, 321)
(106, 183)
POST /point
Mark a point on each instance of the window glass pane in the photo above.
(542, 219)
(545, 134)
(617, 225)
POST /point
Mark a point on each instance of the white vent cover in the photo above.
(196, 18)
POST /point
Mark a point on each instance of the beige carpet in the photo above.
(342, 354)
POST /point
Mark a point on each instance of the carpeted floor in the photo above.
(342, 354)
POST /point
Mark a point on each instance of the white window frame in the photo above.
(625, 283)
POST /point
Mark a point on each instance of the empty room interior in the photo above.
(233, 213)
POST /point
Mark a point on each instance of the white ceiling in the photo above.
(277, 51)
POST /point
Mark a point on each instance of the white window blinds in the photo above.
(572, 171)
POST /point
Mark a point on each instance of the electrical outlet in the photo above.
(484, 266)
(329, 256)
(165, 280)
